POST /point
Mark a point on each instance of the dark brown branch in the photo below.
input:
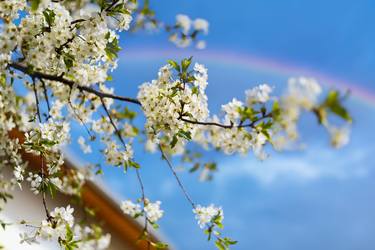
(114, 2)
(229, 126)
(77, 21)
(70, 83)
(101, 95)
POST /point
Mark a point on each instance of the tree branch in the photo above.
(101, 95)
(70, 83)
(229, 126)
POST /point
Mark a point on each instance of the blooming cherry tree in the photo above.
(56, 58)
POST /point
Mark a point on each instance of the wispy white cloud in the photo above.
(313, 164)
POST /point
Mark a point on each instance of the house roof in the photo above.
(106, 208)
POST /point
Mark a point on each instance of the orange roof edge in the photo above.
(106, 208)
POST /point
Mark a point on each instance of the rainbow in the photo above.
(251, 62)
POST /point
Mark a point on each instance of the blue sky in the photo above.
(318, 198)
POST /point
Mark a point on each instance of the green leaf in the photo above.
(68, 60)
(321, 114)
(195, 167)
(3, 80)
(195, 90)
(52, 189)
(134, 164)
(184, 134)
(185, 63)
(174, 141)
(4, 224)
(333, 103)
(229, 241)
(99, 172)
(276, 107)
(90, 211)
(191, 78)
(34, 4)
(175, 65)
(112, 48)
(69, 233)
(263, 110)
(212, 166)
(128, 114)
(49, 16)
(247, 113)
(265, 133)
(5, 196)
(219, 244)
(47, 142)
(159, 245)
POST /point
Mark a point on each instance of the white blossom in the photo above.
(35, 182)
(18, 173)
(303, 91)
(231, 110)
(10, 9)
(205, 215)
(116, 156)
(339, 136)
(130, 208)
(153, 211)
(184, 21)
(201, 25)
(161, 104)
(260, 94)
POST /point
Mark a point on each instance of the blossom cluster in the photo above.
(211, 219)
(205, 215)
(176, 111)
(167, 99)
(11, 116)
(10, 8)
(305, 94)
(186, 30)
(151, 210)
(51, 41)
(61, 227)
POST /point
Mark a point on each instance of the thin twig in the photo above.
(42, 167)
(46, 96)
(187, 196)
(37, 101)
(77, 116)
(137, 170)
(113, 123)
(118, 133)
(43, 191)
(145, 228)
